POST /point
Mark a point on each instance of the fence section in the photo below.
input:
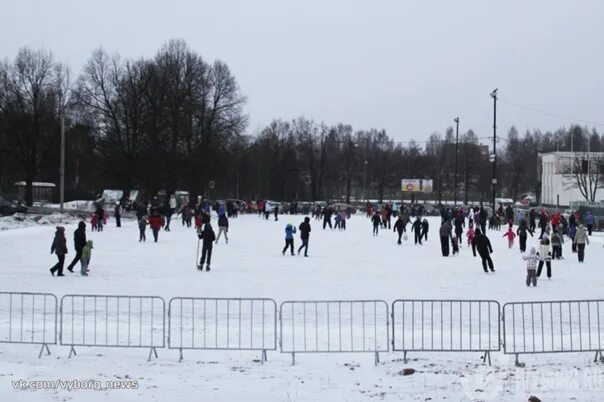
(553, 327)
(222, 324)
(334, 327)
(446, 326)
(28, 318)
(113, 321)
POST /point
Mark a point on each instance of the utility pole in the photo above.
(365, 172)
(456, 120)
(494, 158)
(62, 168)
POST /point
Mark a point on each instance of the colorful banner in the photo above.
(411, 185)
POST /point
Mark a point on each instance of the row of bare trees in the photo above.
(176, 121)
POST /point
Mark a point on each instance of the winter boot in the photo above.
(208, 267)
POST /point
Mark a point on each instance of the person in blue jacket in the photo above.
(589, 222)
(290, 231)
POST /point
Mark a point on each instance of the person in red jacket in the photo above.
(156, 222)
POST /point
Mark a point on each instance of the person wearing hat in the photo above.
(85, 260)
(59, 247)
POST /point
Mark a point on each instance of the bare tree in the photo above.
(32, 93)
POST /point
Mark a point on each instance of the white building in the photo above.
(558, 184)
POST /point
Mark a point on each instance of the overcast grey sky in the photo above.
(406, 66)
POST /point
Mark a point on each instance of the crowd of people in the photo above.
(459, 226)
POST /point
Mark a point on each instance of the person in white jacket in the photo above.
(531, 263)
(545, 256)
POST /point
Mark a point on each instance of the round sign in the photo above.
(211, 184)
(410, 187)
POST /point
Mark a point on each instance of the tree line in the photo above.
(176, 121)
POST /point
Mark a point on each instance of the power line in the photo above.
(595, 123)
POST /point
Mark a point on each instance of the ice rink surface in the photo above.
(344, 265)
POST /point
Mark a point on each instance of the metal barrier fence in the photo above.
(222, 324)
(334, 326)
(446, 326)
(553, 327)
(113, 321)
(28, 318)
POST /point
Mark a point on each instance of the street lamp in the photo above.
(456, 120)
(494, 157)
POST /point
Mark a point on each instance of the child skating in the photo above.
(531, 263)
(85, 260)
(208, 237)
(511, 236)
(142, 227)
(290, 231)
(376, 220)
(470, 234)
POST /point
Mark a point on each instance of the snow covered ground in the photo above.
(342, 265)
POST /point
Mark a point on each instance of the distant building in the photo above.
(42, 192)
(558, 186)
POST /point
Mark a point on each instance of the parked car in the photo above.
(10, 205)
(340, 206)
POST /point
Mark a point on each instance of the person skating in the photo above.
(223, 227)
(459, 223)
(511, 236)
(543, 223)
(399, 227)
(572, 233)
(86, 255)
(100, 217)
(276, 212)
(545, 256)
(425, 227)
(557, 242)
(290, 231)
(470, 234)
(454, 245)
(376, 220)
(117, 213)
(445, 237)
(156, 222)
(417, 230)
(482, 245)
(327, 212)
(168, 215)
(482, 217)
(581, 239)
(304, 235)
(531, 263)
(589, 221)
(208, 237)
(59, 247)
(522, 231)
(79, 241)
(142, 227)
(532, 220)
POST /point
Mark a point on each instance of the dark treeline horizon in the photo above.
(176, 121)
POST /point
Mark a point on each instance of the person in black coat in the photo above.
(117, 214)
(59, 247)
(483, 215)
(208, 236)
(522, 231)
(532, 220)
(376, 220)
(459, 223)
(304, 235)
(327, 212)
(445, 237)
(482, 245)
(400, 227)
(417, 230)
(79, 241)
